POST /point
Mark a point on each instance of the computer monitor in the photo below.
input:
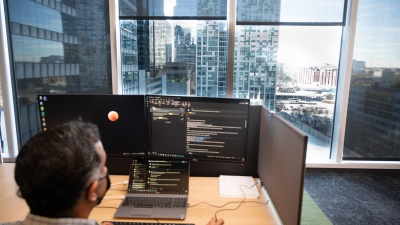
(120, 118)
(198, 128)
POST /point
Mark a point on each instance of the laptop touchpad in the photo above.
(141, 212)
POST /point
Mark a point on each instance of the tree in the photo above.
(279, 106)
(283, 78)
(329, 96)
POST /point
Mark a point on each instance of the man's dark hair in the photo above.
(55, 167)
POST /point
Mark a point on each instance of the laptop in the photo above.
(157, 189)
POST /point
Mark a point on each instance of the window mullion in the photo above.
(7, 92)
(344, 79)
(115, 43)
(231, 47)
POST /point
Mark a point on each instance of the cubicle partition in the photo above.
(281, 165)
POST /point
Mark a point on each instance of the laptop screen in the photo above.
(159, 176)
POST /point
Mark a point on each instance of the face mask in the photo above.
(99, 199)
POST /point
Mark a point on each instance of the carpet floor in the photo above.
(311, 214)
(356, 196)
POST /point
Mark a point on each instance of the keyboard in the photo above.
(145, 223)
(155, 202)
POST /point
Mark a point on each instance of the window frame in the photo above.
(6, 91)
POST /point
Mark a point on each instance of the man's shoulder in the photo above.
(12, 223)
(40, 220)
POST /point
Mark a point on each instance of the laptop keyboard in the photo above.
(147, 223)
(163, 202)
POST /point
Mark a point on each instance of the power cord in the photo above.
(114, 197)
(228, 203)
(240, 203)
(120, 183)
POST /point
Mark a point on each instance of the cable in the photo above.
(240, 203)
(120, 183)
(216, 206)
(228, 203)
(114, 197)
(106, 207)
(215, 215)
(112, 189)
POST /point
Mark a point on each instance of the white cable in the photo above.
(114, 197)
(121, 183)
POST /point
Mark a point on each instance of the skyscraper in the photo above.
(256, 51)
(59, 47)
(212, 58)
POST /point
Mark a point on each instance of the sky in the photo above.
(377, 34)
(169, 7)
(309, 46)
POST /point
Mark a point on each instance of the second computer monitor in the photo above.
(120, 118)
(198, 128)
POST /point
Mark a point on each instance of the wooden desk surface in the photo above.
(201, 189)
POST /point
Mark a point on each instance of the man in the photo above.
(62, 176)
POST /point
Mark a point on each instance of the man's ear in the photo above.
(92, 195)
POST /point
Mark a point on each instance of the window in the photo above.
(177, 46)
(290, 50)
(280, 50)
(69, 55)
(193, 36)
(372, 126)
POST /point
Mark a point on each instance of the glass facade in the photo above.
(256, 60)
(58, 47)
(180, 51)
(373, 116)
(285, 57)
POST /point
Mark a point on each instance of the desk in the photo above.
(201, 189)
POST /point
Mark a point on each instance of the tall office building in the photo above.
(184, 8)
(144, 46)
(373, 112)
(185, 48)
(129, 57)
(212, 8)
(255, 52)
(256, 61)
(184, 59)
(160, 36)
(212, 48)
(58, 47)
(258, 10)
(212, 58)
(256, 49)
